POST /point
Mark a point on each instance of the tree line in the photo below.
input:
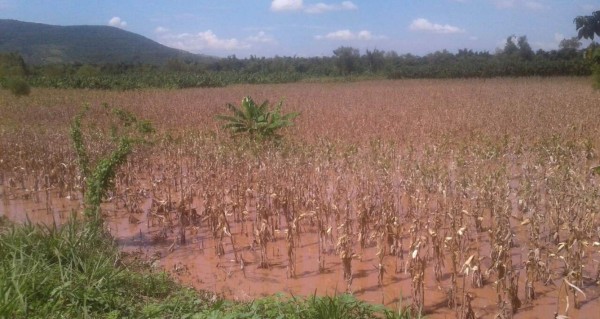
(517, 58)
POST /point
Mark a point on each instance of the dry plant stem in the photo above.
(291, 253)
(467, 309)
(345, 250)
(381, 252)
(427, 167)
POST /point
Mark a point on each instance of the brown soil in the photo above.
(196, 263)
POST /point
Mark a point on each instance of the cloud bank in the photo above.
(210, 41)
(286, 5)
(201, 41)
(347, 35)
(298, 5)
(425, 25)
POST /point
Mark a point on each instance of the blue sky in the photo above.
(316, 28)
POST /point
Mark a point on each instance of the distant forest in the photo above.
(517, 58)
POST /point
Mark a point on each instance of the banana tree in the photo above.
(588, 27)
(257, 121)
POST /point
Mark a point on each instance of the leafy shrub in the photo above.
(596, 76)
(18, 87)
(87, 70)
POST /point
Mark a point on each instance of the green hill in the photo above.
(47, 44)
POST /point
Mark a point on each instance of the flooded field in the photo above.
(450, 196)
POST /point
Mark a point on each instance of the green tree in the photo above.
(520, 49)
(12, 65)
(525, 51)
(346, 59)
(570, 44)
(588, 26)
(375, 60)
(88, 71)
(257, 121)
(13, 72)
(176, 65)
(510, 48)
(53, 70)
(568, 48)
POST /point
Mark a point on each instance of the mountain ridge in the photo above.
(40, 44)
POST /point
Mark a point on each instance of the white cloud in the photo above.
(549, 45)
(298, 5)
(337, 35)
(529, 4)
(422, 24)
(286, 5)
(117, 22)
(347, 35)
(260, 37)
(320, 8)
(208, 41)
(323, 7)
(201, 41)
(349, 5)
(160, 29)
(364, 35)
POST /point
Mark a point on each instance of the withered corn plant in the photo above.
(476, 187)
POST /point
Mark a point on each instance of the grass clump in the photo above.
(77, 272)
(313, 307)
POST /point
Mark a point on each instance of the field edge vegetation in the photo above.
(75, 271)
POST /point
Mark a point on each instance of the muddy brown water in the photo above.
(196, 263)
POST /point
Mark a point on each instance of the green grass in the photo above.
(313, 307)
(77, 272)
